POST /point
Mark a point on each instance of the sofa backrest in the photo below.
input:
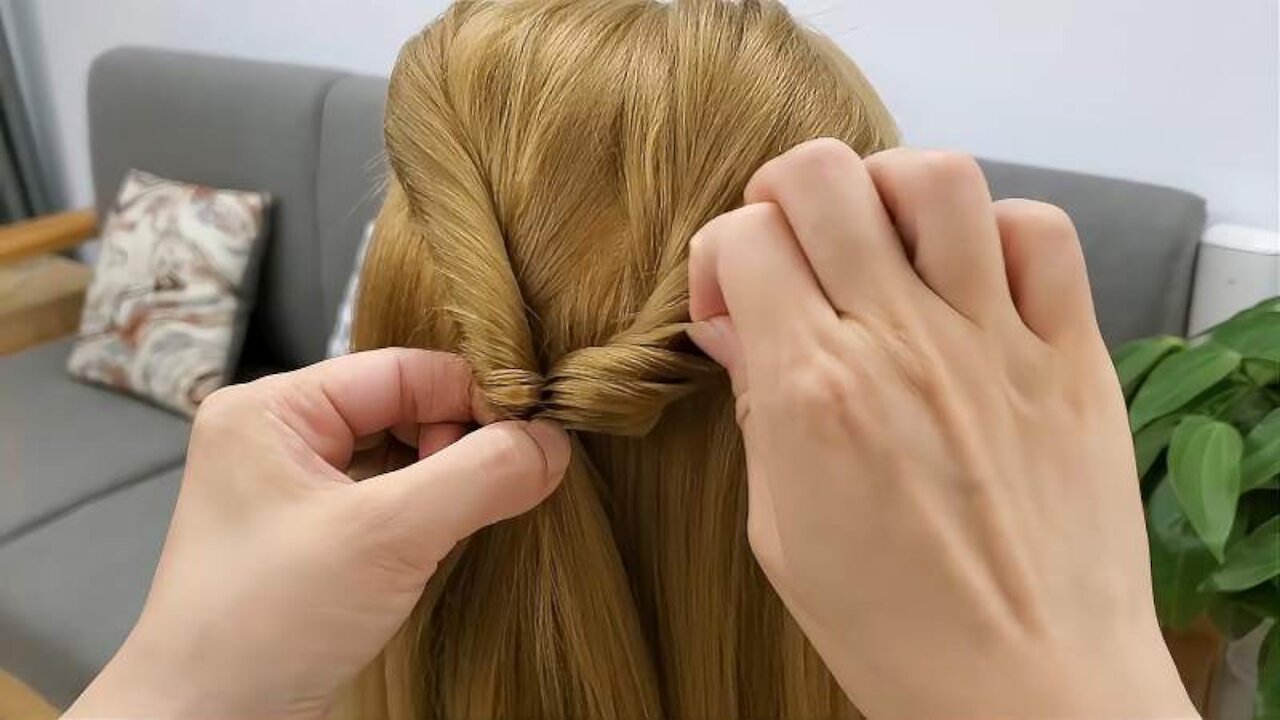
(313, 138)
(309, 136)
(1139, 242)
(350, 179)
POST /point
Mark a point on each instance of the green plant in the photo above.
(1205, 416)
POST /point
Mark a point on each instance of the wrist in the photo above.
(136, 684)
(151, 676)
(1124, 678)
(1132, 680)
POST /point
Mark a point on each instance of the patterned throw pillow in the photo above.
(340, 338)
(172, 289)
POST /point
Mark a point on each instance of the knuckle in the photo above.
(1034, 226)
(751, 228)
(512, 451)
(743, 222)
(816, 159)
(223, 409)
(818, 387)
(821, 154)
(944, 169)
(1035, 217)
(766, 216)
(925, 174)
(890, 158)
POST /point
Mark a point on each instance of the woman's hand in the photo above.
(281, 577)
(942, 485)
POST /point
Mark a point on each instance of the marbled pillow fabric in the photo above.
(172, 290)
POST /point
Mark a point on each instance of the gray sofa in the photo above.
(88, 478)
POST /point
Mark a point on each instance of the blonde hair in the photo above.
(549, 162)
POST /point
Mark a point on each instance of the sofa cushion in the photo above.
(73, 588)
(232, 124)
(172, 290)
(63, 442)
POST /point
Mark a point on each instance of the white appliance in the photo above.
(1237, 267)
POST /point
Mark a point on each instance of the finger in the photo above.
(1046, 270)
(717, 337)
(379, 459)
(705, 298)
(407, 433)
(493, 473)
(750, 258)
(434, 438)
(942, 208)
(368, 442)
(331, 403)
(719, 340)
(835, 212)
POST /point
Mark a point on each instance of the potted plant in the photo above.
(1205, 416)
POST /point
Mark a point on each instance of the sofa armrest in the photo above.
(46, 234)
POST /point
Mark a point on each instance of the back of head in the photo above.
(550, 161)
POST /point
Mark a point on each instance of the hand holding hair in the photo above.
(281, 577)
(942, 486)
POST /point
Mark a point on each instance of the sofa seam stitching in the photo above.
(55, 515)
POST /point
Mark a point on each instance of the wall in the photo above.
(1176, 92)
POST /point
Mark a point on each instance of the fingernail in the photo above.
(554, 442)
(712, 336)
(703, 331)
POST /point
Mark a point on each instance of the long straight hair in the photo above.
(549, 162)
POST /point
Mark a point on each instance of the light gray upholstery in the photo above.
(235, 124)
(1139, 242)
(70, 590)
(63, 443)
(348, 187)
(82, 509)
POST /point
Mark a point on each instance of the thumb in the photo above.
(494, 473)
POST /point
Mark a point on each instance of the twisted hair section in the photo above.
(442, 142)
(549, 162)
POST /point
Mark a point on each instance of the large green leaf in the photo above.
(1135, 359)
(1255, 333)
(1180, 561)
(1219, 399)
(1178, 379)
(1151, 440)
(1252, 561)
(1261, 453)
(1250, 410)
(1262, 372)
(1204, 465)
(1266, 705)
(1264, 307)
